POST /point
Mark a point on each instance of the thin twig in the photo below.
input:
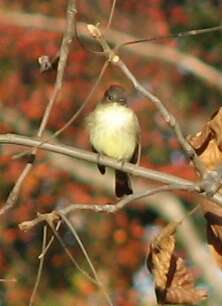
(165, 37)
(108, 208)
(15, 190)
(50, 241)
(49, 221)
(100, 284)
(41, 262)
(157, 52)
(112, 208)
(111, 15)
(64, 51)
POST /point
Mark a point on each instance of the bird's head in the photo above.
(116, 93)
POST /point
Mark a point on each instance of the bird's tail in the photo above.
(123, 184)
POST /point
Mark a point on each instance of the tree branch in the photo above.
(93, 157)
(108, 208)
(64, 51)
(151, 51)
(41, 262)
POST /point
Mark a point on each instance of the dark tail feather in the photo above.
(123, 184)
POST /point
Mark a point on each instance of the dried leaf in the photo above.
(208, 142)
(208, 145)
(174, 282)
(213, 216)
(201, 140)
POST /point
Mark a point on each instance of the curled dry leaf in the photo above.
(174, 282)
(213, 216)
(208, 142)
(208, 145)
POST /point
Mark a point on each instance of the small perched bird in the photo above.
(114, 131)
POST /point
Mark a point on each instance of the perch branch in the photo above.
(135, 170)
(93, 157)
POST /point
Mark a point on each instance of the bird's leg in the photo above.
(101, 167)
(122, 163)
(98, 158)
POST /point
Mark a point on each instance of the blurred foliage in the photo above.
(116, 243)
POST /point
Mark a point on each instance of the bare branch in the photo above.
(108, 208)
(111, 14)
(50, 241)
(41, 262)
(50, 222)
(50, 219)
(112, 208)
(176, 35)
(154, 51)
(15, 190)
(73, 231)
(64, 51)
(169, 206)
(92, 157)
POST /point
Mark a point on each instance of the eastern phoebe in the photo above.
(114, 131)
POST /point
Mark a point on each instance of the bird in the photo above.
(114, 131)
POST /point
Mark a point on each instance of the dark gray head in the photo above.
(116, 93)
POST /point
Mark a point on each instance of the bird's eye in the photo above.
(110, 98)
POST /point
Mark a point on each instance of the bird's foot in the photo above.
(101, 167)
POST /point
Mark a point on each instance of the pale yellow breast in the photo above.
(113, 130)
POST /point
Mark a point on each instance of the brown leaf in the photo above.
(213, 216)
(185, 296)
(208, 142)
(208, 145)
(174, 282)
(201, 140)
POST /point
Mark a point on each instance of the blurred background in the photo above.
(184, 73)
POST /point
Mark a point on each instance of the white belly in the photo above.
(113, 131)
